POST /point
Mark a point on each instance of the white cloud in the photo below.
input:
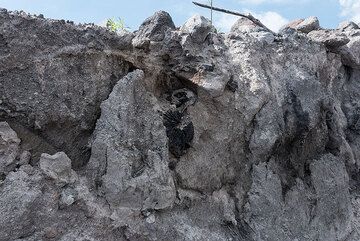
(351, 9)
(225, 22)
(272, 20)
(258, 2)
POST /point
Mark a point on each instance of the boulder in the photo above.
(290, 25)
(302, 25)
(263, 37)
(130, 142)
(153, 29)
(17, 206)
(9, 147)
(244, 25)
(331, 38)
(58, 168)
(198, 28)
(348, 26)
(308, 25)
(350, 53)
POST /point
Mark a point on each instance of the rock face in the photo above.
(303, 25)
(130, 142)
(178, 133)
(52, 85)
(331, 39)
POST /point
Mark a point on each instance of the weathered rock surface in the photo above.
(244, 25)
(330, 38)
(346, 26)
(308, 25)
(303, 25)
(178, 133)
(9, 143)
(58, 167)
(53, 85)
(130, 143)
(198, 28)
(153, 29)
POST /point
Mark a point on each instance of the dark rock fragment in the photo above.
(180, 131)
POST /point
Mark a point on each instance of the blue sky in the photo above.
(273, 13)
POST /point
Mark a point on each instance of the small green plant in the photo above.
(115, 25)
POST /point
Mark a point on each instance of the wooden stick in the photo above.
(248, 16)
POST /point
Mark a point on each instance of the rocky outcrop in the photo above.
(330, 39)
(303, 25)
(178, 133)
(49, 82)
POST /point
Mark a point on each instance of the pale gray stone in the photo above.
(347, 26)
(153, 29)
(351, 52)
(331, 39)
(302, 25)
(308, 25)
(24, 158)
(9, 147)
(198, 27)
(244, 25)
(291, 25)
(58, 167)
(130, 138)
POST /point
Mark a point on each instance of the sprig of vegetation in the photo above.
(115, 25)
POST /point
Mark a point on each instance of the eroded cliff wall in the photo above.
(178, 133)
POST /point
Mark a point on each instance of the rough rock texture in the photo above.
(178, 133)
(308, 25)
(153, 29)
(331, 39)
(130, 142)
(9, 143)
(244, 25)
(52, 85)
(348, 26)
(303, 25)
(58, 167)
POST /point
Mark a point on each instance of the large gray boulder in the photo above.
(153, 29)
(302, 25)
(351, 52)
(332, 39)
(130, 142)
(198, 28)
(308, 25)
(348, 26)
(58, 167)
(18, 206)
(245, 25)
